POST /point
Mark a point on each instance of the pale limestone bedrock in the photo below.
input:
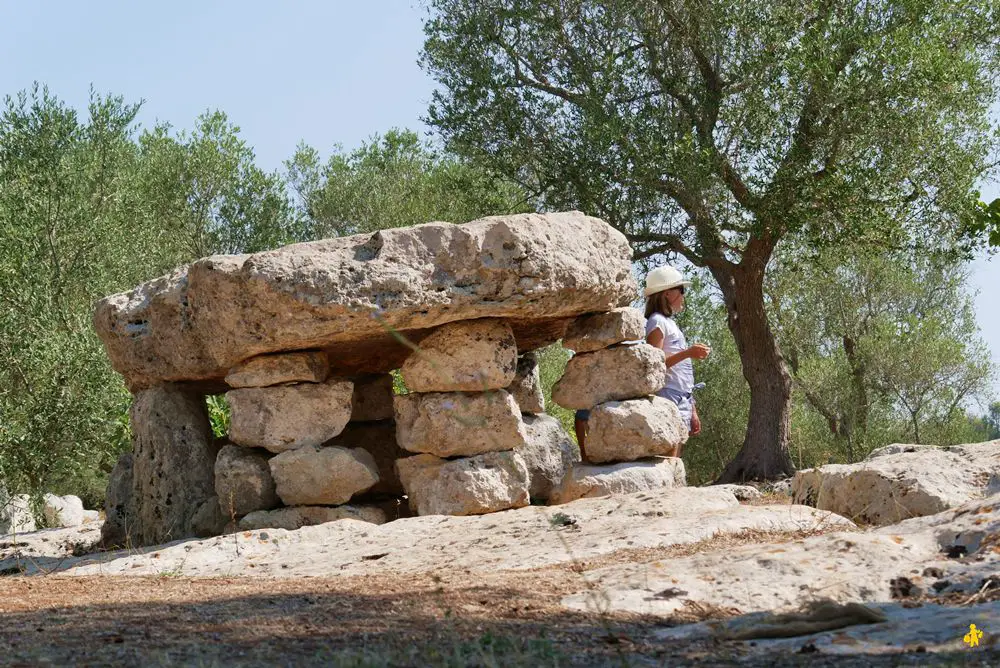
(603, 330)
(452, 424)
(289, 416)
(469, 356)
(623, 431)
(485, 483)
(526, 388)
(307, 516)
(279, 368)
(611, 374)
(314, 476)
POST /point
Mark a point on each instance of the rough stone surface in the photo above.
(209, 519)
(119, 510)
(624, 431)
(280, 368)
(476, 485)
(313, 476)
(307, 516)
(548, 453)
(350, 295)
(15, 514)
(584, 482)
(173, 466)
(526, 388)
(372, 399)
(603, 330)
(379, 440)
(469, 356)
(612, 374)
(243, 481)
(290, 416)
(899, 482)
(450, 424)
(62, 511)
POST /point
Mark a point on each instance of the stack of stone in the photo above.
(285, 414)
(465, 425)
(632, 435)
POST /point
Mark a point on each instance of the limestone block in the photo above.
(612, 374)
(526, 388)
(15, 514)
(119, 509)
(173, 464)
(289, 416)
(624, 431)
(199, 321)
(584, 482)
(322, 476)
(62, 511)
(548, 453)
(309, 366)
(243, 481)
(307, 516)
(470, 356)
(450, 424)
(372, 399)
(379, 440)
(476, 485)
(603, 330)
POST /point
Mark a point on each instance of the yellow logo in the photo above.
(973, 636)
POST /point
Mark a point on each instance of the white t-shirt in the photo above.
(680, 377)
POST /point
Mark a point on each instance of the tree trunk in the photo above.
(764, 455)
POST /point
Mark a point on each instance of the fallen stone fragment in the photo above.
(612, 374)
(469, 356)
(476, 485)
(584, 482)
(624, 431)
(289, 416)
(314, 476)
(307, 516)
(549, 452)
(450, 424)
(280, 368)
(243, 481)
(603, 330)
(526, 388)
(372, 399)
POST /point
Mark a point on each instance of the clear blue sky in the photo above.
(321, 72)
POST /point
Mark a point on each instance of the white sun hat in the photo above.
(664, 278)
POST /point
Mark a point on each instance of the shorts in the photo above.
(583, 415)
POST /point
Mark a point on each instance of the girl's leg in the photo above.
(580, 426)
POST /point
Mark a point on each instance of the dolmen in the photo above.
(378, 375)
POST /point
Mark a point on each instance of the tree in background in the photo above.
(716, 130)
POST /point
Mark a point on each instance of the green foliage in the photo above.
(551, 365)
(983, 223)
(395, 180)
(219, 414)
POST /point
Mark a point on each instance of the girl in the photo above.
(664, 297)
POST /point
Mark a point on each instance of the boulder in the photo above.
(307, 516)
(173, 464)
(372, 398)
(280, 368)
(449, 424)
(603, 330)
(322, 476)
(91, 516)
(469, 356)
(900, 482)
(356, 296)
(289, 416)
(584, 482)
(119, 510)
(62, 511)
(476, 485)
(624, 431)
(15, 514)
(612, 374)
(526, 388)
(243, 481)
(379, 440)
(549, 453)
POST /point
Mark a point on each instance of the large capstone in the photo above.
(471, 356)
(476, 485)
(173, 463)
(363, 298)
(451, 424)
(611, 374)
